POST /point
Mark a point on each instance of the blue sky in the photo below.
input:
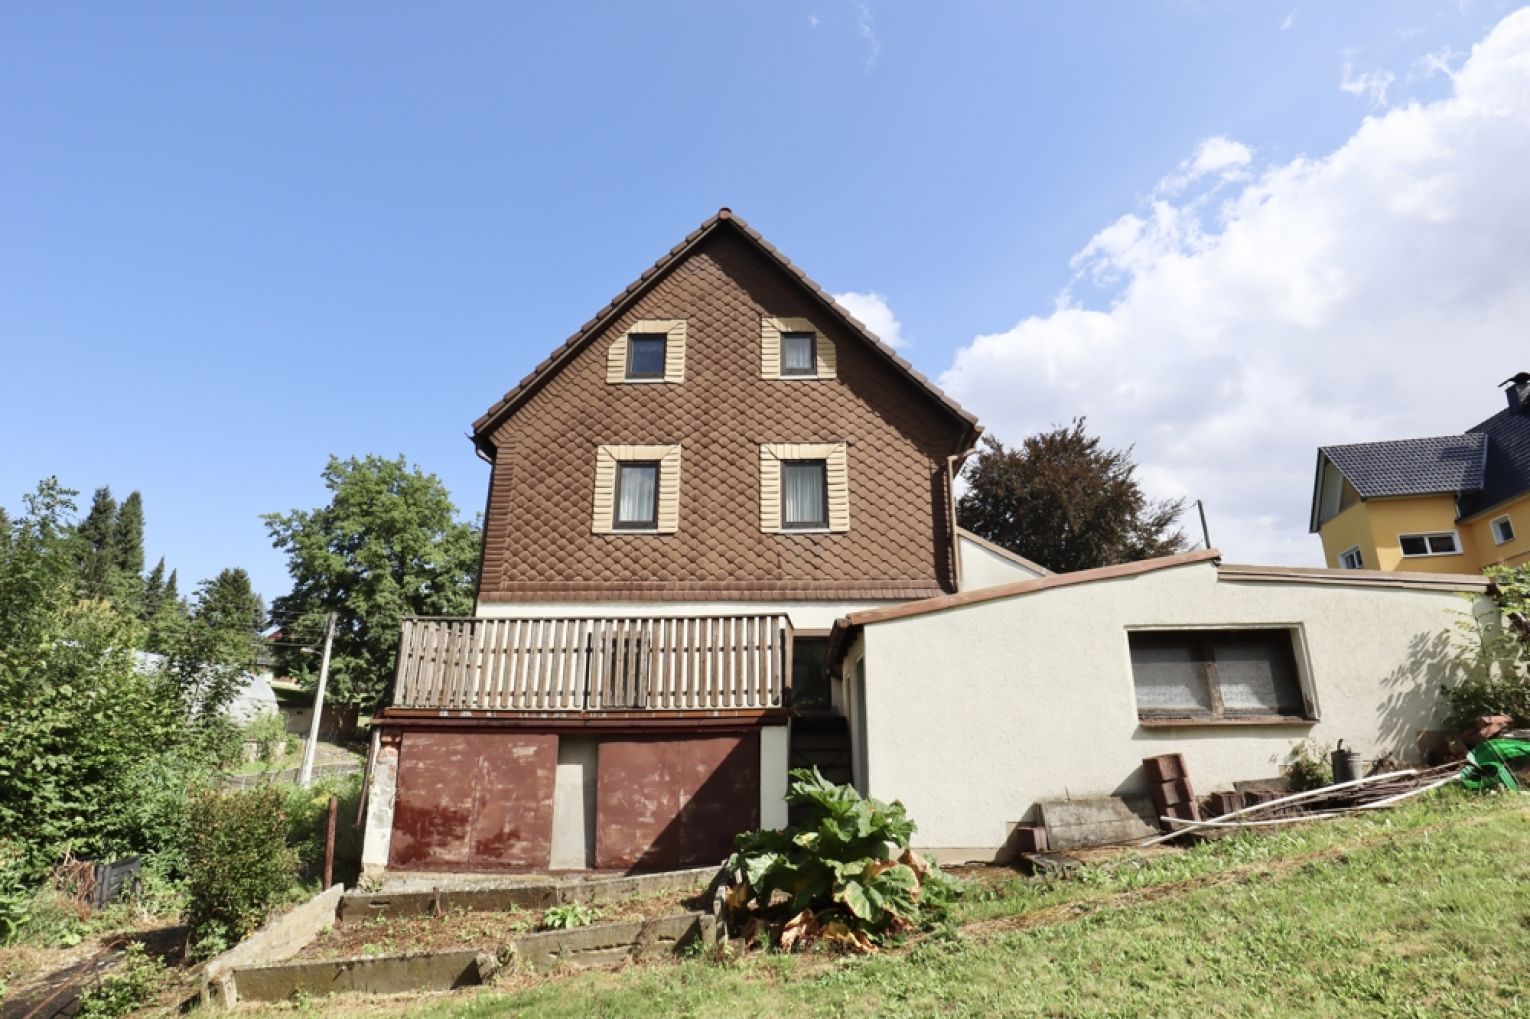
(238, 238)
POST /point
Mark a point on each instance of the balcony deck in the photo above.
(591, 666)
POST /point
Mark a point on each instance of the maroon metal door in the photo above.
(674, 802)
(474, 801)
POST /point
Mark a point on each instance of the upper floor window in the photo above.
(637, 495)
(804, 486)
(1441, 543)
(1216, 674)
(1503, 530)
(804, 494)
(645, 355)
(798, 355)
(794, 348)
(651, 350)
(637, 490)
(1351, 559)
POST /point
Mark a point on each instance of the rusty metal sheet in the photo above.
(474, 801)
(674, 802)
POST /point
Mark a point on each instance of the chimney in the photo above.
(1517, 389)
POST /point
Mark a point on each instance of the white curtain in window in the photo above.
(1168, 678)
(797, 353)
(639, 492)
(804, 482)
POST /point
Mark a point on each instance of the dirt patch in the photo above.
(459, 929)
(46, 982)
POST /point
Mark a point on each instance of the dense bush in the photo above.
(307, 820)
(1494, 661)
(845, 876)
(15, 891)
(238, 864)
(269, 733)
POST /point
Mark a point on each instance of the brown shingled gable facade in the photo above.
(723, 280)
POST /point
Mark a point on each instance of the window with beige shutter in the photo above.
(794, 348)
(637, 490)
(650, 350)
(804, 488)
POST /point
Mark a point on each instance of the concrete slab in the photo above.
(1096, 821)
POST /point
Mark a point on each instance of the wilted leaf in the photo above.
(737, 897)
(801, 928)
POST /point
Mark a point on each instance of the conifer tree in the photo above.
(153, 591)
(128, 536)
(97, 534)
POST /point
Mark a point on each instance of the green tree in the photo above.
(127, 536)
(97, 546)
(1064, 501)
(153, 591)
(388, 544)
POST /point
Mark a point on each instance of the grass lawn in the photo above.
(1419, 911)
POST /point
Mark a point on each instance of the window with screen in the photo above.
(1216, 674)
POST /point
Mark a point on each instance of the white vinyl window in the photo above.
(1351, 559)
(1441, 543)
(804, 494)
(1503, 530)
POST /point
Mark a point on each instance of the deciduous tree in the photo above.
(1066, 502)
(388, 544)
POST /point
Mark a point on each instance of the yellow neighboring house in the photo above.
(1447, 504)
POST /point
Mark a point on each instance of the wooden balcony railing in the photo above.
(580, 665)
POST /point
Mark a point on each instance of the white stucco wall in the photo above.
(982, 566)
(976, 713)
(805, 615)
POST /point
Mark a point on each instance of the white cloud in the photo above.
(1290, 20)
(871, 308)
(812, 21)
(1380, 291)
(863, 24)
(1373, 85)
(1219, 156)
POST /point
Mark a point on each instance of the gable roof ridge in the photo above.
(550, 364)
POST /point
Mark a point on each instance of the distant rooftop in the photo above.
(1444, 463)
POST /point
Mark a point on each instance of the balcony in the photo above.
(682, 665)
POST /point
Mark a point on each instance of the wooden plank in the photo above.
(653, 628)
(522, 639)
(501, 664)
(671, 653)
(401, 690)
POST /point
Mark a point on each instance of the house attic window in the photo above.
(799, 354)
(1503, 530)
(645, 355)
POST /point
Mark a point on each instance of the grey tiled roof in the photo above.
(1508, 460)
(1444, 463)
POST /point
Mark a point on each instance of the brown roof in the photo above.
(485, 425)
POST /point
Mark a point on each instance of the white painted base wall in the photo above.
(973, 714)
(775, 741)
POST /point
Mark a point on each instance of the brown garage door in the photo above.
(473, 801)
(675, 802)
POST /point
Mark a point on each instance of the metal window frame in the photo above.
(822, 524)
(632, 343)
(800, 373)
(652, 523)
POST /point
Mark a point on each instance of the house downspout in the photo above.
(952, 467)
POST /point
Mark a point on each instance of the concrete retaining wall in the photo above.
(281, 938)
(362, 905)
(583, 947)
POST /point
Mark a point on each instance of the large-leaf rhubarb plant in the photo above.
(847, 875)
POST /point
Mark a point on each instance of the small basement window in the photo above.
(1503, 530)
(1351, 559)
(1217, 675)
(1442, 543)
(645, 355)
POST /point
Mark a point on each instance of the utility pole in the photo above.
(1205, 534)
(305, 776)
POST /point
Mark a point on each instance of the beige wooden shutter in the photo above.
(770, 490)
(828, 363)
(605, 490)
(837, 479)
(669, 491)
(674, 349)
